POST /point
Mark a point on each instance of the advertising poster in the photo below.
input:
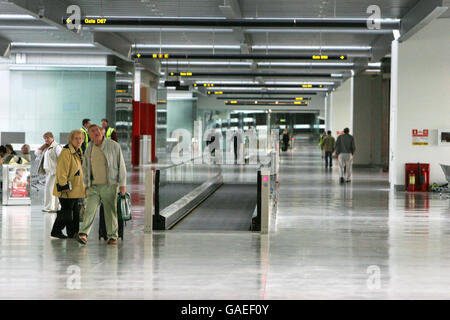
(420, 137)
(19, 182)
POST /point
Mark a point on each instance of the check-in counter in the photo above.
(16, 185)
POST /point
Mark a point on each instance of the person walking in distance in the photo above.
(104, 173)
(49, 153)
(328, 146)
(86, 123)
(321, 140)
(345, 149)
(69, 187)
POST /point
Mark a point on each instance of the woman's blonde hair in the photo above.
(73, 133)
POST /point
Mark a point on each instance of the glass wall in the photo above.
(124, 113)
(55, 101)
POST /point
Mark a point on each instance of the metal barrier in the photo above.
(148, 209)
(145, 149)
(178, 189)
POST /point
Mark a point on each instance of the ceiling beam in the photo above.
(5, 46)
(359, 23)
(114, 43)
(232, 10)
(381, 46)
(52, 13)
(420, 15)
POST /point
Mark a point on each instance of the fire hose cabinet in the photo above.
(417, 177)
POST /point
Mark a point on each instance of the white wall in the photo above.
(424, 98)
(341, 108)
(4, 93)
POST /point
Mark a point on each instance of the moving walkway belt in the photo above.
(229, 208)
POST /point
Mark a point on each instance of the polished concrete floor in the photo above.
(328, 241)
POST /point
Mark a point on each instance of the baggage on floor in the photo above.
(102, 226)
(124, 206)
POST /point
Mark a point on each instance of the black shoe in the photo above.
(58, 235)
(342, 180)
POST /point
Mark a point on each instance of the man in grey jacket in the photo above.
(345, 149)
(104, 172)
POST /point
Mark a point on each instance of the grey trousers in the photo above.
(345, 160)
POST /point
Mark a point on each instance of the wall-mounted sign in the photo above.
(420, 137)
(444, 137)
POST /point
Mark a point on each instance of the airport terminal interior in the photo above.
(279, 150)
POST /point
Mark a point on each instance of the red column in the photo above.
(144, 123)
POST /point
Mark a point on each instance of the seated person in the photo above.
(26, 152)
(2, 154)
(12, 157)
(10, 153)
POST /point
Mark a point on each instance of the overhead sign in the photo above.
(420, 137)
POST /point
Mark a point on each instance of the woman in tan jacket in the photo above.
(69, 187)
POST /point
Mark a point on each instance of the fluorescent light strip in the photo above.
(186, 46)
(312, 48)
(205, 63)
(56, 45)
(155, 29)
(261, 89)
(254, 47)
(227, 82)
(373, 70)
(325, 83)
(247, 111)
(47, 28)
(316, 30)
(305, 64)
(16, 17)
(374, 64)
(299, 89)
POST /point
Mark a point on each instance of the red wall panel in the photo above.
(144, 123)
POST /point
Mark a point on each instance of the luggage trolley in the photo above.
(446, 191)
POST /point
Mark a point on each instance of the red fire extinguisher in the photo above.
(411, 181)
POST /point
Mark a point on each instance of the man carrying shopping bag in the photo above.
(104, 172)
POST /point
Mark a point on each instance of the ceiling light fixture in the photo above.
(56, 45)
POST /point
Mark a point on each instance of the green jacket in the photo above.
(115, 164)
(328, 144)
